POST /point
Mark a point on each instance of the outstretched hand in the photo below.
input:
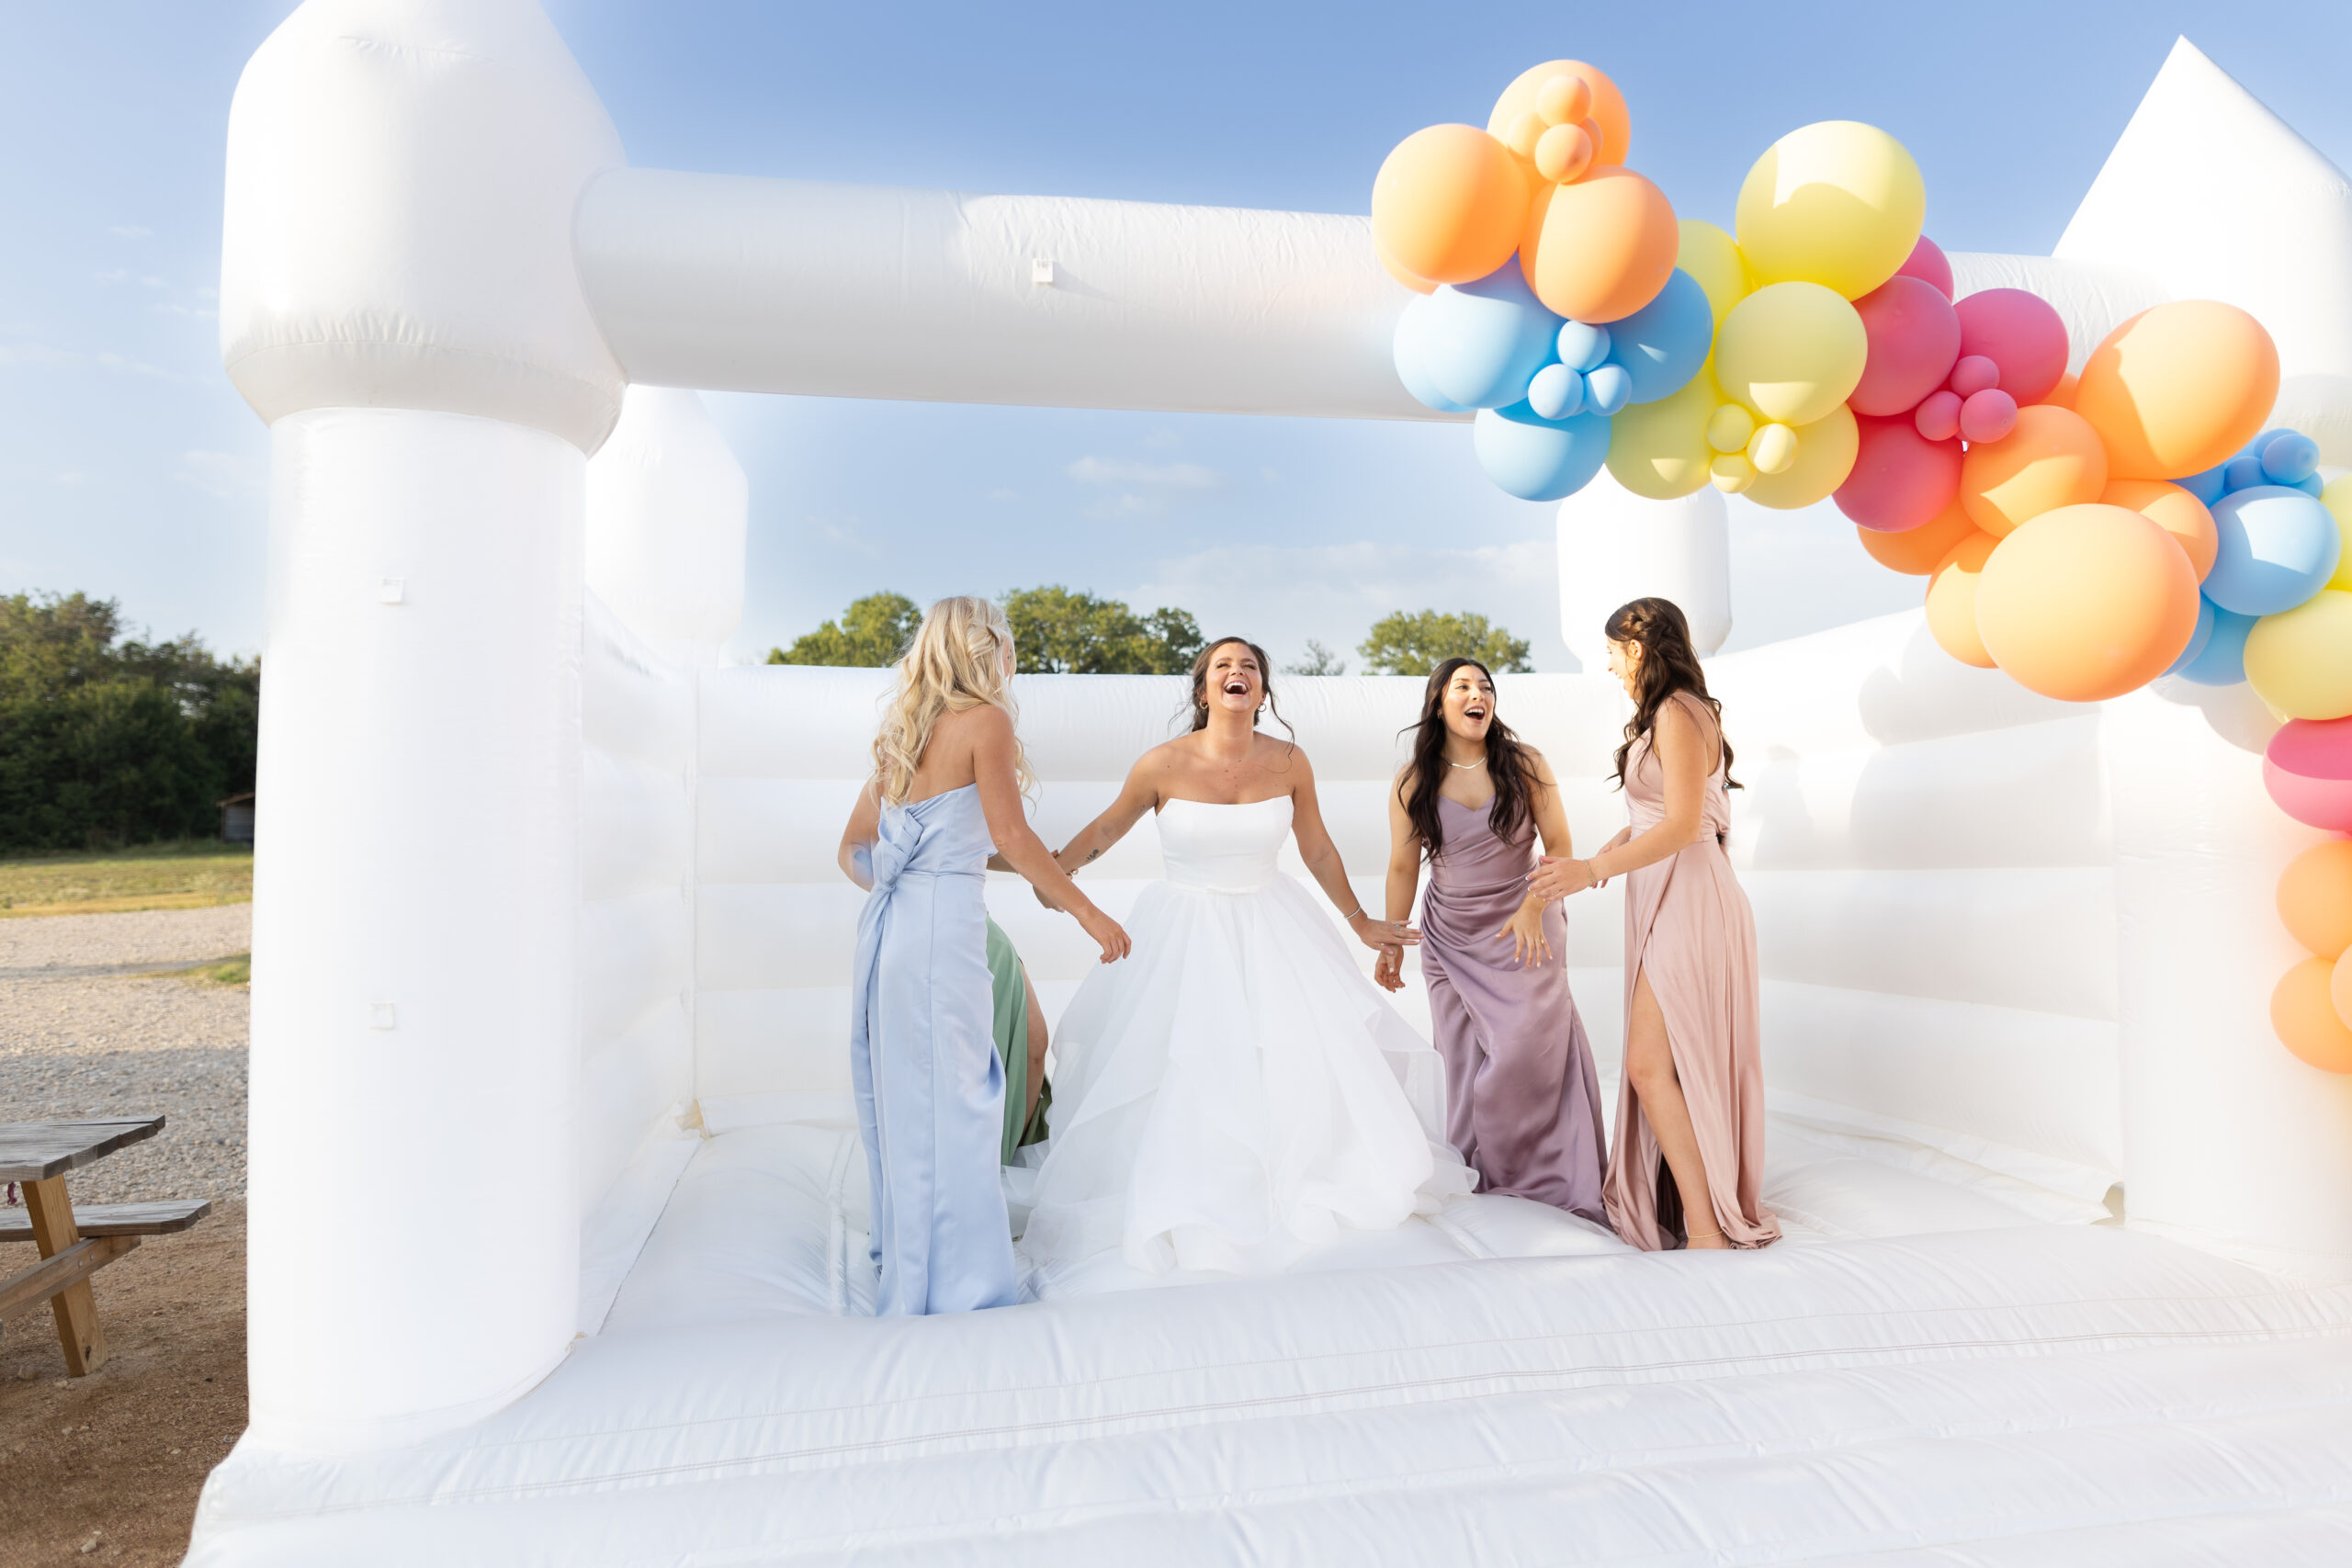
(1382, 933)
(1559, 878)
(1107, 931)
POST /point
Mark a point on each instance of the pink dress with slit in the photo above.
(1687, 925)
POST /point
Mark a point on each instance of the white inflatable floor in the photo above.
(1921, 1375)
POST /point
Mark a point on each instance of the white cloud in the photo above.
(1164, 475)
(112, 274)
(222, 475)
(130, 231)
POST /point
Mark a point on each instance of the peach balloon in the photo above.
(1390, 265)
(1600, 249)
(2339, 992)
(2175, 511)
(2315, 898)
(2061, 396)
(2086, 603)
(2178, 388)
(2305, 1017)
(1450, 203)
(1952, 598)
(1916, 552)
(1525, 96)
(2053, 458)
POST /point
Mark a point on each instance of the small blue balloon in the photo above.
(2197, 639)
(1537, 458)
(2310, 484)
(1411, 350)
(2254, 448)
(1608, 388)
(2241, 472)
(2207, 487)
(2222, 661)
(1486, 338)
(1557, 392)
(1663, 344)
(1582, 347)
(2278, 546)
(2291, 458)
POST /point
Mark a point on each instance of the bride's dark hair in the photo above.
(1669, 664)
(1511, 768)
(1199, 709)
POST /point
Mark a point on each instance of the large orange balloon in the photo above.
(2086, 603)
(1395, 269)
(1600, 248)
(1916, 552)
(1952, 599)
(2175, 511)
(2053, 458)
(1449, 204)
(2305, 1017)
(1608, 110)
(2315, 898)
(2339, 990)
(2178, 388)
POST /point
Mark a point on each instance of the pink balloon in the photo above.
(1987, 415)
(2308, 769)
(1972, 374)
(1900, 479)
(1929, 265)
(2019, 332)
(1937, 416)
(1914, 338)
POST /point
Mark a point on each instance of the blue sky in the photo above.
(129, 468)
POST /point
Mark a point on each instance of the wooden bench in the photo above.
(37, 1155)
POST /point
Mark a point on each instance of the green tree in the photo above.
(871, 633)
(1320, 660)
(1057, 632)
(1402, 643)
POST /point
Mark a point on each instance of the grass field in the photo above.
(191, 875)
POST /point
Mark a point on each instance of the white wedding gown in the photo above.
(1234, 1093)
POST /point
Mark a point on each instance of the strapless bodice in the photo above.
(1224, 849)
(946, 835)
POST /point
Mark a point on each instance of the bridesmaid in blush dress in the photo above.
(1688, 1167)
(1522, 1102)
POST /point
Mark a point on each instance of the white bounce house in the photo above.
(557, 1210)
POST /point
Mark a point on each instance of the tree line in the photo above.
(105, 739)
(1058, 632)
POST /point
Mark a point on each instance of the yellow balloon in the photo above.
(1790, 351)
(1826, 450)
(1729, 428)
(2337, 499)
(2299, 661)
(1838, 204)
(1659, 450)
(1772, 449)
(1711, 258)
(1732, 473)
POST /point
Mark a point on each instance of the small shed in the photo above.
(237, 819)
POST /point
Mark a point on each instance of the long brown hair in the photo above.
(1669, 664)
(1510, 766)
(1199, 709)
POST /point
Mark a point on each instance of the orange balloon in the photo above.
(1600, 248)
(2178, 388)
(1390, 265)
(1952, 599)
(2053, 458)
(1916, 552)
(2316, 897)
(2175, 511)
(2086, 603)
(2063, 394)
(1608, 110)
(2339, 992)
(2303, 1015)
(1449, 204)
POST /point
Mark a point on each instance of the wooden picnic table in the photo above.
(36, 1155)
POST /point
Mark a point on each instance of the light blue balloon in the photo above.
(1662, 344)
(2197, 639)
(1557, 392)
(1411, 349)
(1581, 345)
(2207, 487)
(2222, 661)
(2241, 472)
(2310, 484)
(2277, 548)
(1539, 459)
(2290, 459)
(1488, 338)
(1608, 388)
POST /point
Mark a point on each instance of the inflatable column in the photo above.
(1615, 546)
(667, 509)
(399, 302)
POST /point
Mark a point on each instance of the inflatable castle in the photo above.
(557, 1209)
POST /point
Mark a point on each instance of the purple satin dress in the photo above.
(1522, 1103)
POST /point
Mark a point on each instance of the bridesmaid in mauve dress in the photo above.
(1687, 1165)
(1522, 1102)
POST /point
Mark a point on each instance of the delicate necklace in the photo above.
(1479, 763)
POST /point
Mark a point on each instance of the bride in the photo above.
(1237, 1093)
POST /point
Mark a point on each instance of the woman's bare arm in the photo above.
(1544, 804)
(1687, 753)
(990, 733)
(865, 826)
(1403, 849)
(1323, 863)
(1139, 795)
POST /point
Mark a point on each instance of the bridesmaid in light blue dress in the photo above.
(947, 792)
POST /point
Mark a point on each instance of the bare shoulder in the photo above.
(1539, 768)
(1408, 778)
(1286, 758)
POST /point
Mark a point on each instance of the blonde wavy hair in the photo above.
(955, 661)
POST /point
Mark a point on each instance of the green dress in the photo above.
(1012, 1044)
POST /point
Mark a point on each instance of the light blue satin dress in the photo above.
(929, 1087)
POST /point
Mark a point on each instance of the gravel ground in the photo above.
(83, 1032)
